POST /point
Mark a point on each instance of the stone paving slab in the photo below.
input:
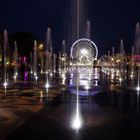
(19, 105)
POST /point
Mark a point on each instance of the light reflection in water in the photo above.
(138, 93)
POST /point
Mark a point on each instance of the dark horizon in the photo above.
(110, 21)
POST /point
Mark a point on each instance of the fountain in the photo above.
(60, 63)
(31, 62)
(88, 30)
(48, 48)
(132, 62)
(137, 51)
(63, 55)
(15, 61)
(54, 62)
(122, 56)
(5, 57)
(35, 60)
(122, 61)
(51, 61)
(76, 122)
(137, 40)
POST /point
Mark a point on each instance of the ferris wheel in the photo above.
(84, 51)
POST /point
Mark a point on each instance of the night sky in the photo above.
(111, 20)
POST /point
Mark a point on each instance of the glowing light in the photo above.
(117, 73)
(31, 72)
(5, 84)
(84, 51)
(77, 123)
(131, 76)
(96, 83)
(120, 79)
(41, 94)
(41, 46)
(86, 41)
(87, 87)
(36, 78)
(63, 78)
(138, 88)
(15, 77)
(47, 85)
(16, 74)
(41, 71)
(7, 63)
(51, 74)
(112, 76)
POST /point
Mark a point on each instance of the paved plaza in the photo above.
(108, 110)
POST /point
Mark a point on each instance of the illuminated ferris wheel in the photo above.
(84, 51)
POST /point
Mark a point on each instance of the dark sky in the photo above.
(111, 20)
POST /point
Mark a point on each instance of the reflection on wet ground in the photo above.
(108, 109)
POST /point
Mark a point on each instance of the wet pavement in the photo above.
(100, 121)
(19, 102)
(108, 109)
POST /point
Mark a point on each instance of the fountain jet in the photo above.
(5, 57)
(16, 61)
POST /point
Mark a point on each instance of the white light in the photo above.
(15, 76)
(138, 88)
(117, 73)
(36, 78)
(112, 76)
(120, 79)
(131, 76)
(51, 74)
(96, 83)
(41, 71)
(87, 87)
(63, 81)
(47, 85)
(77, 123)
(35, 74)
(5, 84)
(84, 51)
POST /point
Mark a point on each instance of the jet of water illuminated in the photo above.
(63, 54)
(16, 61)
(88, 30)
(54, 62)
(132, 60)
(122, 56)
(138, 86)
(77, 121)
(137, 39)
(48, 48)
(5, 57)
(35, 60)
